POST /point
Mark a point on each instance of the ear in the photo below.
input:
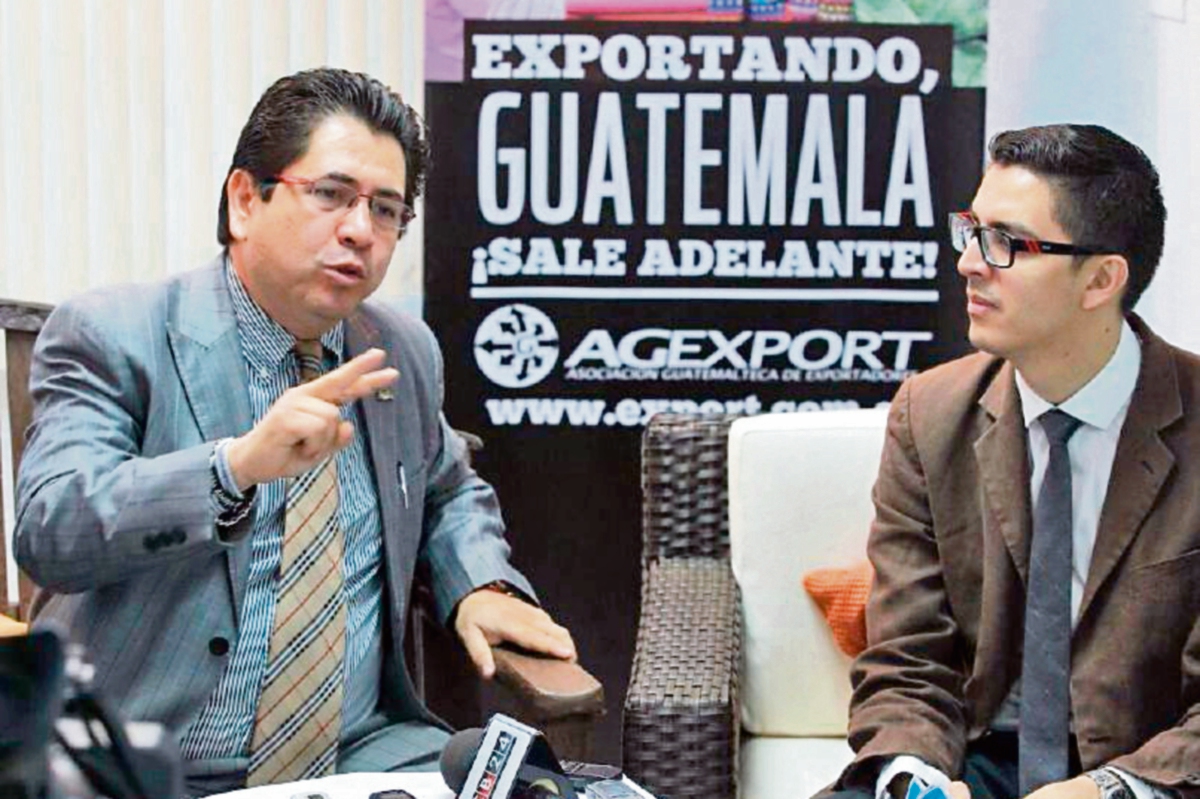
(241, 192)
(1106, 279)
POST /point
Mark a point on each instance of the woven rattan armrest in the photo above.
(682, 714)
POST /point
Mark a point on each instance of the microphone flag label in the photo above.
(495, 765)
(501, 753)
(919, 790)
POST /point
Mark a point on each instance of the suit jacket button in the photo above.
(219, 646)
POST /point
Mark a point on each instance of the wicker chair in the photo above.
(682, 716)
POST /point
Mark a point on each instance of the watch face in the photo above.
(1111, 785)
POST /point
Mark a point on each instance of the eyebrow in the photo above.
(1016, 231)
(342, 177)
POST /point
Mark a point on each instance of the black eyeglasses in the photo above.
(999, 249)
(329, 194)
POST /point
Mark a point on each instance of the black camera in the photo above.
(60, 740)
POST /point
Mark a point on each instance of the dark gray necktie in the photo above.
(1043, 736)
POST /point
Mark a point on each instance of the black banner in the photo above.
(632, 218)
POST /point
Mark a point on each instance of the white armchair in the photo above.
(737, 685)
(799, 499)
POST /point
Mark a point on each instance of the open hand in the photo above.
(486, 618)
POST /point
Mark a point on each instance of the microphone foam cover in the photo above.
(458, 755)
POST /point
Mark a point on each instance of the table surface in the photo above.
(422, 785)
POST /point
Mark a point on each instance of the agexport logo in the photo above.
(516, 346)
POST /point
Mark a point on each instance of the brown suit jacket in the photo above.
(950, 546)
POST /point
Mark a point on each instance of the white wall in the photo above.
(118, 120)
(1130, 65)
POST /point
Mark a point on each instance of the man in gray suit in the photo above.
(174, 450)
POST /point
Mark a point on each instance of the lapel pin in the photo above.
(385, 395)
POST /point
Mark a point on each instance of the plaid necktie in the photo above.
(299, 709)
(1044, 732)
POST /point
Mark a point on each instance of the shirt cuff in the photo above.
(907, 764)
(224, 474)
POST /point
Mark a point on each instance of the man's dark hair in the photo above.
(1107, 191)
(281, 125)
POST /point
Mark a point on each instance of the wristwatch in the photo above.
(1110, 784)
(230, 509)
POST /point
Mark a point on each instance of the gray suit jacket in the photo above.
(131, 388)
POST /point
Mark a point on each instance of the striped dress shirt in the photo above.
(224, 726)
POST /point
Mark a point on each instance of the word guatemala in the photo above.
(759, 185)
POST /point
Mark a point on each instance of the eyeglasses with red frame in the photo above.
(329, 194)
(999, 249)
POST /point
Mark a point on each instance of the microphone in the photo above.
(507, 760)
(457, 756)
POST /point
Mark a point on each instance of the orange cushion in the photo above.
(841, 593)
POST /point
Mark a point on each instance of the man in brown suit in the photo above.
(1063, 236)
